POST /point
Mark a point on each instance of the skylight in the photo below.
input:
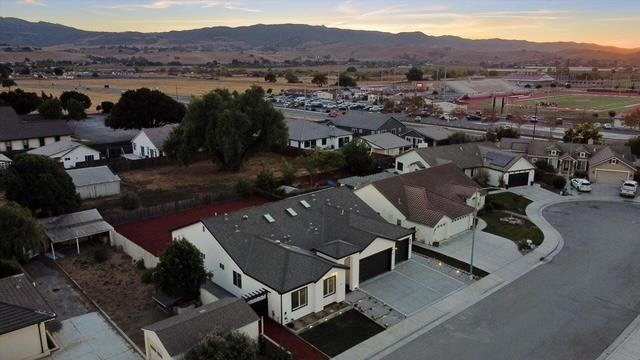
(305, 203)
(269, 218)
(291, 212)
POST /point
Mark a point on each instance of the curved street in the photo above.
(570, 308)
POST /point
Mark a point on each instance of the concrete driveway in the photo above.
(411, 286)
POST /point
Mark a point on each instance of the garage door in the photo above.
(375, 264)
(519, 179)
(610, 177)
(402, 251)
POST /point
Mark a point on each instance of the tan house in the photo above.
(23, 314)
(608, 167)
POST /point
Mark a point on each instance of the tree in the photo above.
(459, 112)
(19, 231)
(612, 114)
(291, 77)
(322, 160)
(266, 180)
(288, 173)
(55, 193)
(320, 79)
(58, 71)
(50, 109)
(345, 80)
(459, 137)
(632, 119)
(583, 134)
(145, 108)
(22, 102)
(8, 83)
(180, 271)
(75, 109)
(434, 110)
(358, 157)
(634, 144)
(5, 71)
(106, 107)
(502, 132)
(352, 69)
(230, 127)
(234, 345)
(67, 96)
(414, 74)
(270, 76)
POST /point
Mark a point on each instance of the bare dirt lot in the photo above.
(116, 286)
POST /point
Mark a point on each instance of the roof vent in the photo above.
(305, 204)
(245, 217)
(291, 212)
(269, 218)
(237, 228)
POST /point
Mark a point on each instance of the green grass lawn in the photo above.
(516, 233)
(342, 332)
(595, 102)
(508, 201)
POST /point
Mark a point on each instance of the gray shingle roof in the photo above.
(302, 130)
(92, 176)
(21, 305)
(158, 135)
(180, 333)
(436, 133)
(215, 289)
(356, 182)
(465, 156)
(361, 120)
(4, 158)
(386, 141)
(70, 226)
(425, 196)
(55, 148)
(280, 254)
(14, 128)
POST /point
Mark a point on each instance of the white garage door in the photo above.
(611, 177)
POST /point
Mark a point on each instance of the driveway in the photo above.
(412, 285)
(570, 308)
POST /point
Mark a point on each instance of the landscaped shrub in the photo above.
(140, 264)
(130, 200)
(558, 182)
(9, 267)
(242, 187)
(102, 255)
(266, 180)
(147, 276)
(288, 173)
(542, 165)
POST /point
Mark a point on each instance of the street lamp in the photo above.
(473, 229)
(567, 185)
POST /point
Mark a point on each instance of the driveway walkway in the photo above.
(88, 337)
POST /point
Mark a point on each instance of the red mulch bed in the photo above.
(154, 235)
(300, 349)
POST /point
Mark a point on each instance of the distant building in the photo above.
(148, 143)
(530, 78)
(5, 162)
(387, 144)
(305, 134)
(95, 182)
(17, 134)
(425, 136)
(67, 152)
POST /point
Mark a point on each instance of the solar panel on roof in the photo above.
(499, 159)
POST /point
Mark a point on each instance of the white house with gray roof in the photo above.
(67, 152)
(305, 134)
(387, 144)
(149, 141)
(301, 253)
(95, 182)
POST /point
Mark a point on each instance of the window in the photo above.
(324, 141)
(399, 222)
(613, 161)
(307, 144)
(299, 299)
(8, 145)
(41, 141)
(329, 286)
(221, 266)
(583, 155)
(534, 160)
(67, 159)
(134, 146)
(399, 166)
(57, 138)
(25, 144)
(88, 158)
(237, 280)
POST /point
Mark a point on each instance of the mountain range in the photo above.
(305, 40)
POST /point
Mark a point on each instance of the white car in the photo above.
(629, 189)
(607, 126)
(582, 185)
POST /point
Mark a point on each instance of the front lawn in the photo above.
(507, 201)
(516, 233)
(342, 332)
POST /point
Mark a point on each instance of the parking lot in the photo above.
(412, 285)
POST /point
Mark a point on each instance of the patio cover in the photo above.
(75, 225)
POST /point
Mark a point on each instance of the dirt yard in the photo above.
(116, 286)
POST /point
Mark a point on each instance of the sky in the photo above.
(606, 22)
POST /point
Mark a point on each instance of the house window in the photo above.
(399, 166)
(221, 266)
(67, 159)
(534, 160)
(237, 280)
(324, 141)
(299, 299)
(57, 138)
(583, 155)
(613, 161)
(393, 131)
(329, 286)
(25, 144)
(399, 222)
(88, 158)
(554, 152)
(134, 146)
(307, 144)
(8, 145)
(41, 141)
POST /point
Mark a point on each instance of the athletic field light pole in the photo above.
(474, 225)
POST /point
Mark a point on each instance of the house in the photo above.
(300, 254)
(439, 202)
(67, 152)
(600, 163)
(17, 134)
(387, 144)
(356, 182)
(307, 135)
(425, 136)
(149, 141)
(70, 229)
(172, 338)
(501, 167)
(367, 123)
(5, 162)
(23, 315)
(95, 182)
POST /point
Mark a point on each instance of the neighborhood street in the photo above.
(571, 308)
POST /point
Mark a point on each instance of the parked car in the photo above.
(607, 126)
(582, 185)
(472, 117)
(629, 188)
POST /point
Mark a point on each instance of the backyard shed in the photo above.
(95, 182)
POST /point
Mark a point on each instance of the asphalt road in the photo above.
(571, 308)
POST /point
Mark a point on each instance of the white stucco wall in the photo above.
(408, 158)
(134, 250)
(154, 349)
(76, 155)
(141, 141)
(330, 143)
(26, 343)
(98, 190)
(33, 143)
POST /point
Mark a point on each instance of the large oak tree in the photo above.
(145, 108)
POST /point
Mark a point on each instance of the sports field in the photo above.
(589, 102)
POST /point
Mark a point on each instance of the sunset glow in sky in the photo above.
(608, 22)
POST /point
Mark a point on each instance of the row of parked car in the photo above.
(629, 188)
(324, 105)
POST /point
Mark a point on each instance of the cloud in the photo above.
(166, 4)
